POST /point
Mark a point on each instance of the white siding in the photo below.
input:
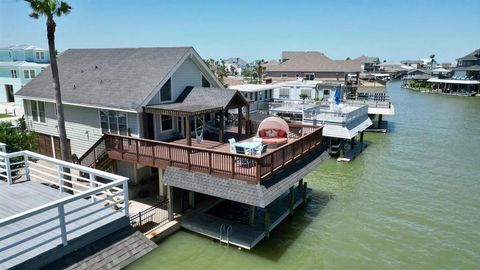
(82, 124)
(188, 74)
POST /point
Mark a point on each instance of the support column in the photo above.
(267, 224)
(170, 202)
(240, 120)
(222, 127)
(361, 138)
(292, 199)
(191, 199)
(379, 120)
(162, 189)
(304, 192)
(188, 131)
(251, 215)
(247, 120)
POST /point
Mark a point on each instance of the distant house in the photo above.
(465, 78)
(258, 95)
(18, 65)
(369, 64)
(106, 91)
(310, 66)
(417, 64)
(236, 65)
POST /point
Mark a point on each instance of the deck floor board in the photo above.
(24, 196)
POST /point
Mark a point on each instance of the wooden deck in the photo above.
(212, 157)
(31, 237)
(244, 236)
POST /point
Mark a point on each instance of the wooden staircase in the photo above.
(96, 156)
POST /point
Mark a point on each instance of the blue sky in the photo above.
(392, 30)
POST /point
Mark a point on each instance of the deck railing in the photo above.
(252, 169)
(95, 154)
(97, 188)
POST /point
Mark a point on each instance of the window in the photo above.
(284, 75)
(167, 123)
(10, 54)
(205, 82)
(307, 92)
(13, 72)
(40, 55)
(38, 111)
(113, 122)
(309, 76)
(166, 91)
(284, 93)
(29, 74)
(256, 96)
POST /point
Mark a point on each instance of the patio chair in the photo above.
(257, 139)
(232, 142)
(261, 150)
(243, 151)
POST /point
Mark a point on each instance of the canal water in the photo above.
(410, 201)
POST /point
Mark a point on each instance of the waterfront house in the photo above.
(310, 66)
(368, 63)
(18, 65)
(465, 79)
(258, 95)
(161, 118)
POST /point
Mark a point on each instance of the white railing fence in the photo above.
(97, 189)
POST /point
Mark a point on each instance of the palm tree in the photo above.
(51, 9)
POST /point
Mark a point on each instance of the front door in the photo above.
(149, 127)
(9, 93)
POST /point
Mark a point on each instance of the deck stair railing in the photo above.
(110, 193)
(94, 156)
(215, 162)
(225, 232)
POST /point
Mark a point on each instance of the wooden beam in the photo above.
(240, 120)
(222, 127)
(188, 131)
(247, 120)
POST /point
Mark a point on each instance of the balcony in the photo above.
(214, 158)
(51, 208)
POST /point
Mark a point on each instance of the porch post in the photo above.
(170, 202)
(240, 114)
(251, 215)
(222, 126)
(379, 121)
(191, 199)
(188, 131)
(247, 120)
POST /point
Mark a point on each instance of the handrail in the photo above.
(91, 148)
(55, 204)
(256, 169)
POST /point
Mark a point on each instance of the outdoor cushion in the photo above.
(274, 140)
(271, 133)
(261, 133)
(282, 133)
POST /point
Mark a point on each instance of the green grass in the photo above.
(2, 115)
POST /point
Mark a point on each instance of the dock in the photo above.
(245, 236)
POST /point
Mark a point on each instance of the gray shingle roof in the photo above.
(471, 56)
(117, 78)
(314, 62)
(200, 99)
(367, 59)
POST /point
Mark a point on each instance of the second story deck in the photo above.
(209, 156)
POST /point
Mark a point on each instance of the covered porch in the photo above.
(199, 113)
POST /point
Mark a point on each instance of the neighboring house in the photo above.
(310, 66)
(465, 78)
(369, 64)
(258, 95)
(235, 65)
(106, 91)
(18, 65)
(416, 64)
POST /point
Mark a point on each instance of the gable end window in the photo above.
(29, 74)
(13, 72)
(166, 91)
(205, 82)
(40, 55)
(38, 111)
